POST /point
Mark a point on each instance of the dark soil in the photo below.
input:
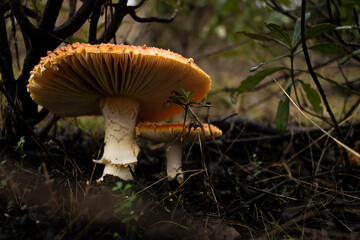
(250, 183)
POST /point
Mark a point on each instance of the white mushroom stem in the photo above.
(121, 149)
(174, 161)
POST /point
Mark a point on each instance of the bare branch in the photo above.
(75, 22)
(72, 8)
(120, 12)
(26, 26)
(13, 31)
(28, 127)
(139, 4)
(277, 7)
(112, 17)
(347, 44)
(131, 11)
(72, 11)
(31, 13)
(5, 54)
(50, 14)
(40, 116)
(94, 21)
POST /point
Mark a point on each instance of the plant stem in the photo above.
(311, 71)
(314, 77)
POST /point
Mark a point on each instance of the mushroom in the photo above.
(123, 83)
(173, 135)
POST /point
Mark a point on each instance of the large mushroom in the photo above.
(123, 83)
(174, 135)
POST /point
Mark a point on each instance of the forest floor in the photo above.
(251, 183)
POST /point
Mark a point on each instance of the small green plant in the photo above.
(121, 188)
(256, 160)
(185, 100)
(309, 99)
(125, 207)
(20, 147)
(116, 236)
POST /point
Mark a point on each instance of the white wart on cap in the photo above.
(123, 83)
(173, 135)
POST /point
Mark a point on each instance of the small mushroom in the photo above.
(173, 135)
(124, 83)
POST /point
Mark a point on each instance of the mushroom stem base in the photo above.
(174, 161)
(121, 172)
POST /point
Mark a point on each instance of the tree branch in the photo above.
(131, 11)
(51, 13)
(277, 7)
(26, 124)
(5, 54)
(139, 4)
(75, 22)
(347, 44)
(121, 10)
(94, 21)
(26, 26)
(120, 13)
(31, 13)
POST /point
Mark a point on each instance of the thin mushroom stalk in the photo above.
(121, 149)
(174, 161)
(173, 135)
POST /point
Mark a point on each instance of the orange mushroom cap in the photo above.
(71, 80)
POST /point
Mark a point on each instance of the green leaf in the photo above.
(282, 113)
(252, 81)
(280, 32)
(297, 31)
(256, 36)
(337, 84)
(79, 40)
(327, 48)
(356, 52)
(253, 69)
(85, 33)
(262, 37)
(317, 30)
(100, 27)
(348, 57)
(345, 59)
(347, 27)
(118, 186)
(127, 186)
(312, 96)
